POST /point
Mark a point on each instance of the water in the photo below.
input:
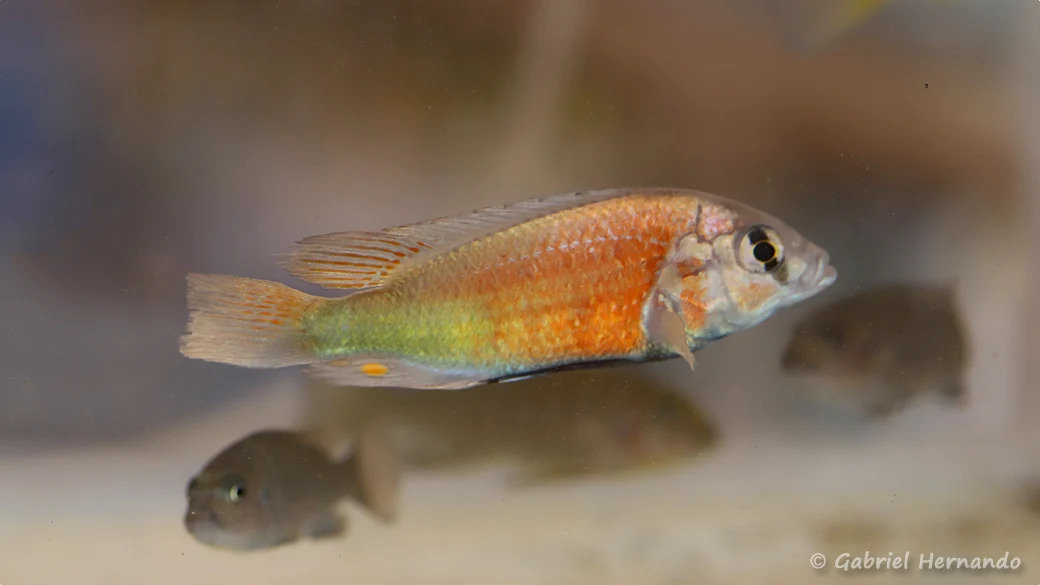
(138, 143)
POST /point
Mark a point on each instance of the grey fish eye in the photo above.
(236, 492)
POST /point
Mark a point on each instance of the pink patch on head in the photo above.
(690, 267)
(715, 221)
(756, 294)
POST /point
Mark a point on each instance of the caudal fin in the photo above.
(374, 474)
(245, 322)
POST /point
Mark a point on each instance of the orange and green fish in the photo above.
(567, 281)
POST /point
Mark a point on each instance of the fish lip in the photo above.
(830, 275)
(195, 521)
(814, 280)
(824, 275)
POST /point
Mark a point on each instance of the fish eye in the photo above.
(236, 492)
(761, 249)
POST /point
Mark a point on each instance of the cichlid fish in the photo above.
(274, 487)
(883, 346)
(567, 425)
(571, 280)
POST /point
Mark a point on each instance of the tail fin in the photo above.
(245, 322)
(374, 474)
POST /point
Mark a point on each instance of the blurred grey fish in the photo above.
(883, 346)
(562, 426)
(275, 487)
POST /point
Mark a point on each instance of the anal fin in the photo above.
(518, 378)
(392, 372)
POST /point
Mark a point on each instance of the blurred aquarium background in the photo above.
(140, 141)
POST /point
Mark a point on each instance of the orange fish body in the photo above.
(565, 281)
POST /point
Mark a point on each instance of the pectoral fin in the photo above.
(666, 327)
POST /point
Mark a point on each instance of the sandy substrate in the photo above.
(749, 513)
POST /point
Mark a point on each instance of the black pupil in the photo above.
(764, 251)
(240, 492)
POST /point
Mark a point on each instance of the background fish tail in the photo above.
(372, 474)
(245, 322)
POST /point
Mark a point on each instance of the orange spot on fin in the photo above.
(392, 372)
(374, 369)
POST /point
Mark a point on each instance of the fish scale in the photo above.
(561, 322)
(472, 305)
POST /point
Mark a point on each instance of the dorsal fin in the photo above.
(354, 260)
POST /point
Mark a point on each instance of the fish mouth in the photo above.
(824, 275)
(813, 280)
(201, 522)
(830, 274)
(205, 529)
